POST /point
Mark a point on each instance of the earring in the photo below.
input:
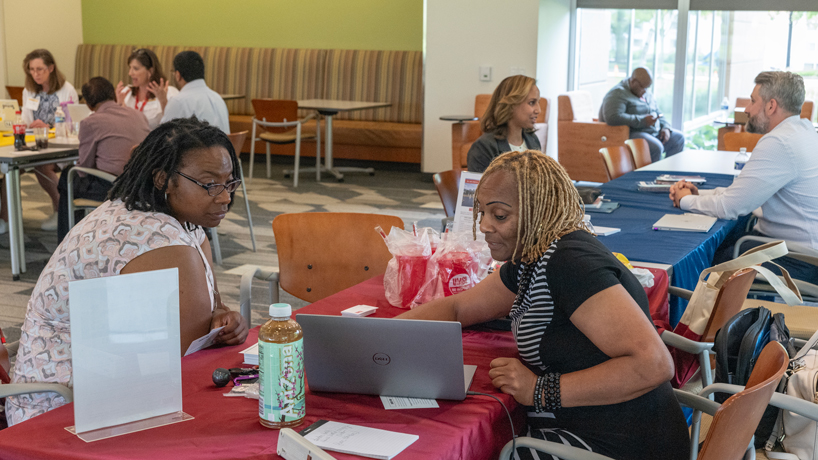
(166, 197)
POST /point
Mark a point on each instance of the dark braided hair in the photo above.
(165, 149)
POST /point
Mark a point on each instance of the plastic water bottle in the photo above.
(59, 123)
(586, 219)
(281, 370)
(741, 159)
(725, 107)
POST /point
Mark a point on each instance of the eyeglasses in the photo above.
(37, 70)
(214, 189)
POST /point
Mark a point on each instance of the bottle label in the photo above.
(59, 119)
(19, 129)
(739, 165)
(281, 381)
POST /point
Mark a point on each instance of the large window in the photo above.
(727, 49)
(614, 42)
(724, 51)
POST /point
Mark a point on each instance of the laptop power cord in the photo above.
(510, 421)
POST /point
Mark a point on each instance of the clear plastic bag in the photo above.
(459, 264)
(406, 272)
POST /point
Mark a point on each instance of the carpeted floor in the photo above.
(394, 189)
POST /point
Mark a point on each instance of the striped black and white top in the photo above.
(532, 314)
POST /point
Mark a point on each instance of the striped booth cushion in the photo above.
(281, 73)
(388, 134)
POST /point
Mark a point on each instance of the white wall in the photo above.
(552, 59)
(3, 77)
(30, 24)
(459, 37)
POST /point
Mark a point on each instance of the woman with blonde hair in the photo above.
(591, 371)
(508, 124)
(45, 90)
(149, 90)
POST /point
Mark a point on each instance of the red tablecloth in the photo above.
(475, 428)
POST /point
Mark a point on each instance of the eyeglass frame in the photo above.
(210, 187)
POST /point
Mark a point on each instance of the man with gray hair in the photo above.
(781, 176)
(630, 103)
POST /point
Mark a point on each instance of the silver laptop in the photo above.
(387, 357)
(78, 112)
(8, 107)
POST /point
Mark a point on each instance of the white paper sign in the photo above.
(463, 214)
(125, 348)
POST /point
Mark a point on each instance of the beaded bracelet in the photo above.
(538, 387)
(551, 390)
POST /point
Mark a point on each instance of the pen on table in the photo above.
(2, 337)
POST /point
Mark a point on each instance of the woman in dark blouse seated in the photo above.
(508, 124)
(592, 369)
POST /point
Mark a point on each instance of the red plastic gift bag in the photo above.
(459, 264)
(406, 272)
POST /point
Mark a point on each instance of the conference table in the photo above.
(11, 161)
(329, 108)
(475, 428)
(688, 253)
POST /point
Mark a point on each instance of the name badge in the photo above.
(32, 103)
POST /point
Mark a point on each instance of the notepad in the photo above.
(605, 231)
(357, 440)
(251, 355)
(687, 222)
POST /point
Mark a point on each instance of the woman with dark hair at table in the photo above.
(179, 179)
(508, 124)
(45, 90)
(592, 370)
(149, 90)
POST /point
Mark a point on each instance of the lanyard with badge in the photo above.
(32, 103)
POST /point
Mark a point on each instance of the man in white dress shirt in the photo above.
(781, 176)
(194, 97)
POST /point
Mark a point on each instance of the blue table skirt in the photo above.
(688, 252)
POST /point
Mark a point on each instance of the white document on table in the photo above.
(398, 402)
(358, 440)
(125, 348)
(464, 211)
(204, 341)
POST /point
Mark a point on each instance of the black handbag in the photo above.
(737, 346)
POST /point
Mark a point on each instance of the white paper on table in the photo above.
(358, 440)
(605, 231)
(396, 402)
(203, 341)
(464, 211)
(125, 348)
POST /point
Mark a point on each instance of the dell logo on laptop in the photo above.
(381, 358)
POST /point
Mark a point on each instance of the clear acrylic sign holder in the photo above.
(126, 354)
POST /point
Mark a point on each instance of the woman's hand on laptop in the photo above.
(511, 377)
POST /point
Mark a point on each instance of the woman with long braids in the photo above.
(179, 179)
(591, 370)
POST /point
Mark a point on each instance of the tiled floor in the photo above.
(390, 191)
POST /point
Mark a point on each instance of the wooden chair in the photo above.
(237, 139)
(321, 253)
(734, 421)
(279, 124)
(447, 184)
(581, 137)
(733, 142)
(808, 110)
(16, 92)
(616, 160)
(640, 150)
(464, 134)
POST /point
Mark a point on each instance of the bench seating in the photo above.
(386, 134)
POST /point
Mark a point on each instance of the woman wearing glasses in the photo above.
(45, 90)
(179, 179)
(149, 90)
